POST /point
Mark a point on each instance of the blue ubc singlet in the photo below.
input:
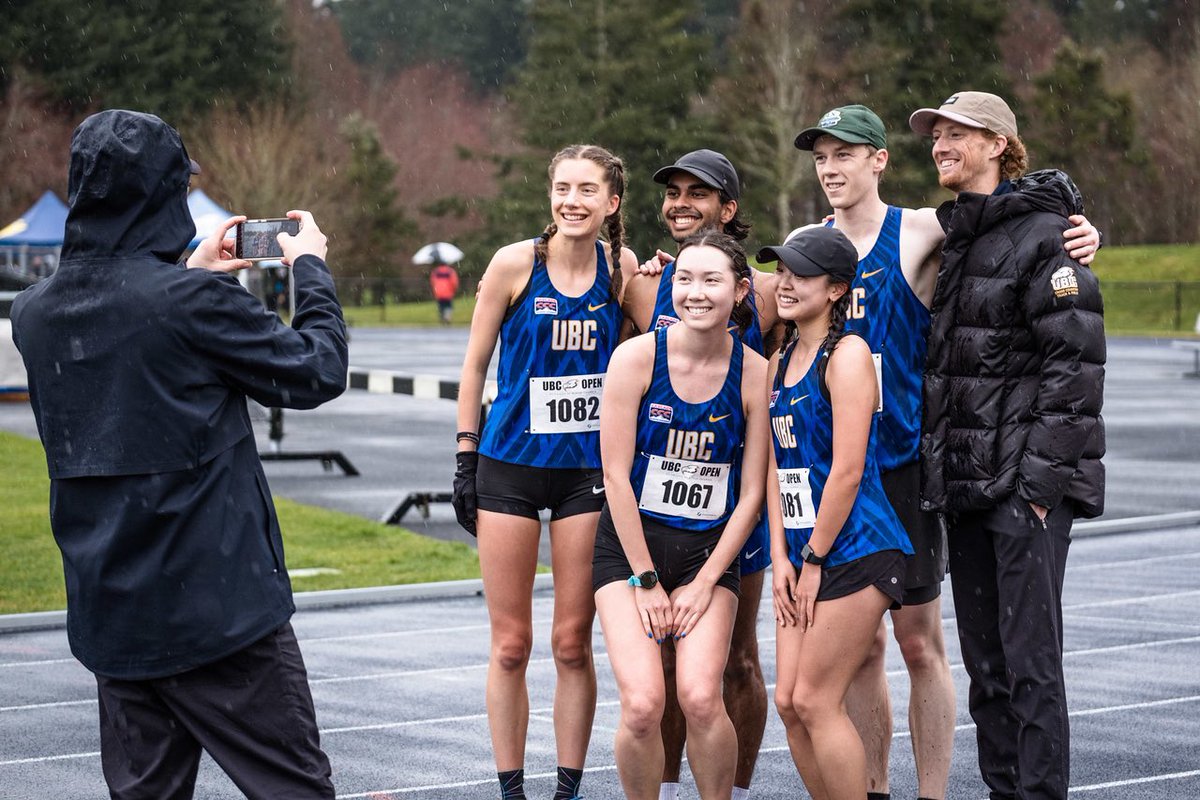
(802, 431)
(554, 351)
(689, 455)
(756, 552)
(665, 314)
(895, 324)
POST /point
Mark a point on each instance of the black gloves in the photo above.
(463, 499)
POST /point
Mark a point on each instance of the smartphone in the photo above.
(256, 238)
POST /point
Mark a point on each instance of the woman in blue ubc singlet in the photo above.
(684, 439)
(829, 515)
(554, 303)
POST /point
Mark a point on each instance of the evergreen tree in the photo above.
(376, 237)
(1087, 131)
(905, 56)
(622, 74)
(167, 58)
(484, 36)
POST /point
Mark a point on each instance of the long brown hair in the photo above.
(614, 176)
(742, 315)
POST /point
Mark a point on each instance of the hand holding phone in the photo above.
(257, 239)
(309, 241)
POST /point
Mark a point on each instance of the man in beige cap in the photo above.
(1011, 436)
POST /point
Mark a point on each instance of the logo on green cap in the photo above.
(831, 119)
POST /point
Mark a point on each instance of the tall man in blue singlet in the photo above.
(900, 252)
(702, 191)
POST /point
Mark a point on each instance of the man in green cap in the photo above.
(900, 253)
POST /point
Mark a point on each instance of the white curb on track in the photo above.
(335, 598)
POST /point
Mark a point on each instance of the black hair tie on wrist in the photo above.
(470, 436)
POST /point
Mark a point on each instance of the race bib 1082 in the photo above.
(566, 404)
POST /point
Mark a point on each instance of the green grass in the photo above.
(366, 553)
(1150, 290)
(407, 315)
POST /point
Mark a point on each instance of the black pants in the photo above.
(251, 711)
(1006, 572)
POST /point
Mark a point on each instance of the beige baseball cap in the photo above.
(973, 109)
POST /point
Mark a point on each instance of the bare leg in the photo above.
(700, 663)
(745, 691)
(918, 629)
(571, 544)
(508, 547)
(869, 705)
(830, 653)
(674, 727)
(637, 666)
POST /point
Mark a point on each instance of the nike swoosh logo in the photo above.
(754, 552)
(712, 418)
(797, 399)
(873, 272)
(597, 308)
(597, 490)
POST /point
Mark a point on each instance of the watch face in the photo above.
(648, 580)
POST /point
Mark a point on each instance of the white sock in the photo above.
(740, 794)
(668, 791)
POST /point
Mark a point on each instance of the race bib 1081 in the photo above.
(795, 499)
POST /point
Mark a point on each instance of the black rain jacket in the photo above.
(139, 369)
(1014, 376)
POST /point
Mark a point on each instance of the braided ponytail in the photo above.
(541, 246)
(838, 313)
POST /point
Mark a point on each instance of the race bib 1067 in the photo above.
(689, 489)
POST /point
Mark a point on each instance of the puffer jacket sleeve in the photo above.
(1065, 310)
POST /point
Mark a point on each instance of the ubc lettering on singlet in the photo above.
(688, 457)
(802, 435)
(665, 315)
(895, 324)
(554, 351)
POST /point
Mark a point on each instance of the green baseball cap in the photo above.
(854, 124)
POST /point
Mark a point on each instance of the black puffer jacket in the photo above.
(1014, 379)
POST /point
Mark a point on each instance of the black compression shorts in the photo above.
(522, 491)
(927, 566)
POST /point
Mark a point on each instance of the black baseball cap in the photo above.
(819, 250)
(707, 165)
(855, 124)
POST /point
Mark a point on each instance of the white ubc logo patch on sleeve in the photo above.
(1064, 283)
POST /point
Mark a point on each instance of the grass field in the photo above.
(1149, 290)
(365, 553)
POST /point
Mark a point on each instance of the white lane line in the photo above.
(43, 759)
(393, 634)
(381, 794)
(42, 663)
(59, 704)
(1107, 565)
(1172, 776)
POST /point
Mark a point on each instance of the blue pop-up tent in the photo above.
(41, 226)
(32, 242)
(207, 215)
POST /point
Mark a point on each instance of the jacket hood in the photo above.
(127, 189)
(1049, 190)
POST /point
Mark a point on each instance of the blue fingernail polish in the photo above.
(682, 635)
(649, 635)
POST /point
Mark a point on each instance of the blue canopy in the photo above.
(207, 215)
(41, 226)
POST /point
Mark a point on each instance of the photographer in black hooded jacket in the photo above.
(1012, 435)
(139, 369)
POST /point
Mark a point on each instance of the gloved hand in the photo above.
(463, 499)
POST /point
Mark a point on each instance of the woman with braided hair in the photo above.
(554, 303)
(830, 518)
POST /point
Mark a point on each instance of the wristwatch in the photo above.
(812, 558)
(646, 580)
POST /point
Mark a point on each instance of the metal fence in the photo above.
(1151, 305)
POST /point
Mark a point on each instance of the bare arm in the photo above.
(852, 390)
(628, 378)
(502, 282)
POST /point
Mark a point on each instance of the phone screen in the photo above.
(256, 238)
